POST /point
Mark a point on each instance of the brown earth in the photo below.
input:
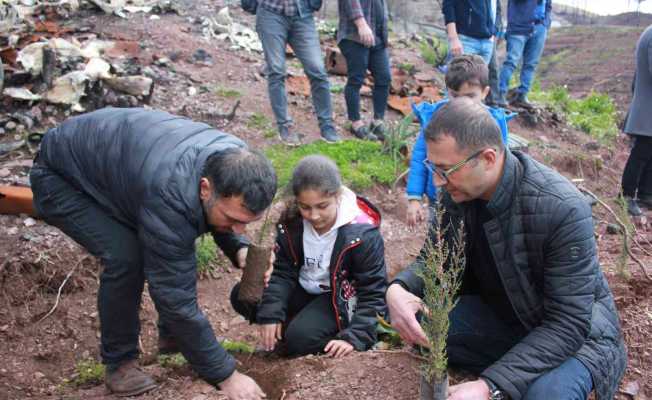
(35, 260)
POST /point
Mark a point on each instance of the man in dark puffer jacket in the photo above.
(535, 317)
(136, 188)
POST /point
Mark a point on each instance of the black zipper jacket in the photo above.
(357, 274)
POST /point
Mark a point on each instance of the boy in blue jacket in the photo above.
(467, 76)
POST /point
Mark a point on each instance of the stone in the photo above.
(10, 126)
(613, 229)
(29, 222)
(4, 172)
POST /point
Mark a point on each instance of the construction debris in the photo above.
(222, 27)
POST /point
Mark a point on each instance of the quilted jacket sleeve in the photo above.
(170, 270)
(370, 275)
(274, 305)
(570, 276)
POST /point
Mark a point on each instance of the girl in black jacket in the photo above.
(329, 275)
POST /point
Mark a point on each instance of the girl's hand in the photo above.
(269, 335)
(338, 348)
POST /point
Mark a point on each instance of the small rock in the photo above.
(11, 125)
(613, 229)
(20, 128)
(632, 388)
(192, 91)
(201, 56)
(29, 222)
(2, 131)
(162, 62)
(12, 231)
(4, 172)
(39, 375)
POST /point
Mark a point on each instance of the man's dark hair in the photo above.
(237, 171)
(467, 68)
(469, 123)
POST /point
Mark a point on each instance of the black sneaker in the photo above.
(645, 201)
(378, 130)
(632, 207)
(522, 102)
(330, 135)
(363, 133)
(287, 137)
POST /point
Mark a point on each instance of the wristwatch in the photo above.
(494, 391)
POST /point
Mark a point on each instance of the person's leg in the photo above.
(117, 246)
(570, 381)
(515, 44)
(636, 164)
(645, 182)
(531, 55)
(477, 337)
(357, 59)
(380, 70)
(272, 30)
(304, 39)
(312, 328)
(493, 97)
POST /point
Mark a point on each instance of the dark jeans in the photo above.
(358, 59)
(638, 170)
(310, 324)
(477, 338)
(115, 244)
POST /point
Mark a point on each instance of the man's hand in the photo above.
(476, 390)
(270, 334)
(241, 387)
(270, 269)
(455, 46)
(241, 257)
(414, 212)
(365, 33)
(338, 348)
(403, 307)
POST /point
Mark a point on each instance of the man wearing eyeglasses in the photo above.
(535, 318)
(136, 187)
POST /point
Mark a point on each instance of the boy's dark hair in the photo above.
(467, 68)
(238, 171)
(469, 123)
(313, 172)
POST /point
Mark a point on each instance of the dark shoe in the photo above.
(645, 201)
(128, 380)
(501, 102)
(330, 135)
(167, 346)
(632, 207)
(287, 137)
(363, 133)
(522, 102)
(378, 129)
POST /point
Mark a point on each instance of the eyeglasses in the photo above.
(444, 174)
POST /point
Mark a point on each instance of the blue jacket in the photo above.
(472, 17)
(521, 16)
(420, 178)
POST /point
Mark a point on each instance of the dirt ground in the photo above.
(35, 259)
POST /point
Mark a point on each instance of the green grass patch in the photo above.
(594, 114)
(234, 346)
(206, 253)
(337, 89)
(433, 51)
(258, 121)
(88, 372)
(172, 361)
(228, 93)
(361, 163)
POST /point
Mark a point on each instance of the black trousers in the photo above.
(122, 280)
(637, 175)
(310, 324)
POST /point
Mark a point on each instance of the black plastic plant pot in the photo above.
(435, 389)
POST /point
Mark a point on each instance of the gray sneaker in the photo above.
(128, 380)
(287, 137)
(632, 207)
(330, 135)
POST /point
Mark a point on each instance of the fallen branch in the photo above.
(56, 302)
(623, 228)
(403, 174)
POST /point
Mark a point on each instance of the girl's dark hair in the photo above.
(313, 172)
